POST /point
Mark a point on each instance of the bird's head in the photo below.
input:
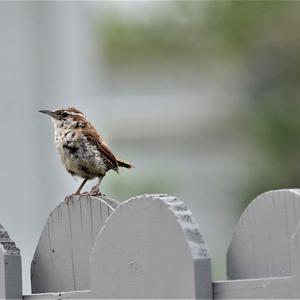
(66, 118)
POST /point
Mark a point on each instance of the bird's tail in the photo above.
(124, 164)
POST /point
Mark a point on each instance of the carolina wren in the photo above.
(82, 150)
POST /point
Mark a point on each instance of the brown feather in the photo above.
(124, 164)
(74, 109)
(94, 138)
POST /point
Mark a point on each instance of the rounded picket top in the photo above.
(150, 248)
(7, 245)
(266, 237)
(10, 267)
(61, 259)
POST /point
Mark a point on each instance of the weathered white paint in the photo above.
(263, 239)
(10, 268)
(61, 259)
(150, 248)
(263, 288)
(264, 251)
(85, 294)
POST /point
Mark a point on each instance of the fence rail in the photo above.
(151, 247)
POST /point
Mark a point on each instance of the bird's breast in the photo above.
(79, 156)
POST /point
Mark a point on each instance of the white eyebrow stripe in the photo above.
(75, 113)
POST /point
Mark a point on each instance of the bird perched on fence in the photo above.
(82, 150)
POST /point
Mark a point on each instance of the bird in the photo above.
(81, 148)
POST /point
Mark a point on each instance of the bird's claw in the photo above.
(93, 192)
(68, 198)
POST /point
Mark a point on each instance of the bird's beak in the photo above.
(50, 113)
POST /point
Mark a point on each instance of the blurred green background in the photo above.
(249, 50)
(201, 96)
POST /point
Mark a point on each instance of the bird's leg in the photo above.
(81, 186)
(67, 199)
(95, 191)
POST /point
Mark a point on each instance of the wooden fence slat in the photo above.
(10, 268)
(265, 250)
(61, 259)
(261, 245)
(84, 294)
(263, 288)
(151, 247)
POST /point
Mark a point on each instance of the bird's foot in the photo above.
(83, 194)
(95, 191)
(90, 194)
(68, 198)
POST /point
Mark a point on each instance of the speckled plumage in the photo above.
(78, 155)
(81, 149)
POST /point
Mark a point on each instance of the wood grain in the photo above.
(61, 259)
(151, 247)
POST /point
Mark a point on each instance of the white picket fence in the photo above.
(151, 247)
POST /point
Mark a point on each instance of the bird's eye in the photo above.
(64, 114)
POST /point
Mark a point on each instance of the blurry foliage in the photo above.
(260, 38)
(181, 31)
(273, 128)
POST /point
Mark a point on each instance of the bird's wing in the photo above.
(95, 139)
